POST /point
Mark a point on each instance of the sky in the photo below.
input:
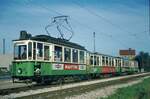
(118, 24)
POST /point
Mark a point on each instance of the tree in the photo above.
(143, 59)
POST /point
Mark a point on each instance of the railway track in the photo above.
(57, 91)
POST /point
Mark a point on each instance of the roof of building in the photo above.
(127, 52)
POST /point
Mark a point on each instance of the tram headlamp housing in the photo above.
(37, 71)
(19, 71)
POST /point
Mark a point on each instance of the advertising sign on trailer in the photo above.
(74, 67)
(58, 66)
(71, 66)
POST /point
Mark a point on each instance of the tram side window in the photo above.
(112, 62)
(30, 50)
(67, 56)
(58, 54)
(120, 63)
(116, 61)
(39, 50)
(34, 50)
(95, 61)
(100, 61)
(46, 52)
(107, 61)
(91, 60)
(75, 55)
(20, 52)
(82, 57)
(123, 63)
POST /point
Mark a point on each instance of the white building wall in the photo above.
(6, 60)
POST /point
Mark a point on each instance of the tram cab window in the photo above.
(75, 55)
(46, 52)
(67, 54)
(39, 50)
(82, 57)
(20, 52)
(30, 50)
(58, 54)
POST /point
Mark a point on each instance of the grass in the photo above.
(137, 91)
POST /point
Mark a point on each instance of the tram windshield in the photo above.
(20, 52)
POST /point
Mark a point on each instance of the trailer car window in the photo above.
(106, 61)
(112, 62)
(109, 59)
(103, 60)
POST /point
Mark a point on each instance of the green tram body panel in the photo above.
(99, 69)
(28, 69)
(94, 69)
(118, 69)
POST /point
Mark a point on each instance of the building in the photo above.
(129, 53)
(5, 61)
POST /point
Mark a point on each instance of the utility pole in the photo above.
(3, 46)
(94, 41)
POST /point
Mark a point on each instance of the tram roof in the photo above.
(59, 41)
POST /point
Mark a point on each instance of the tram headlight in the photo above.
(37, 71)
(19, 71)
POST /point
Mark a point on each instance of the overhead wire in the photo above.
(104, 34)
(104, 19)
(86, 26)
(135, 35)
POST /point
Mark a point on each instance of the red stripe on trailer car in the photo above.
(108, 69)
